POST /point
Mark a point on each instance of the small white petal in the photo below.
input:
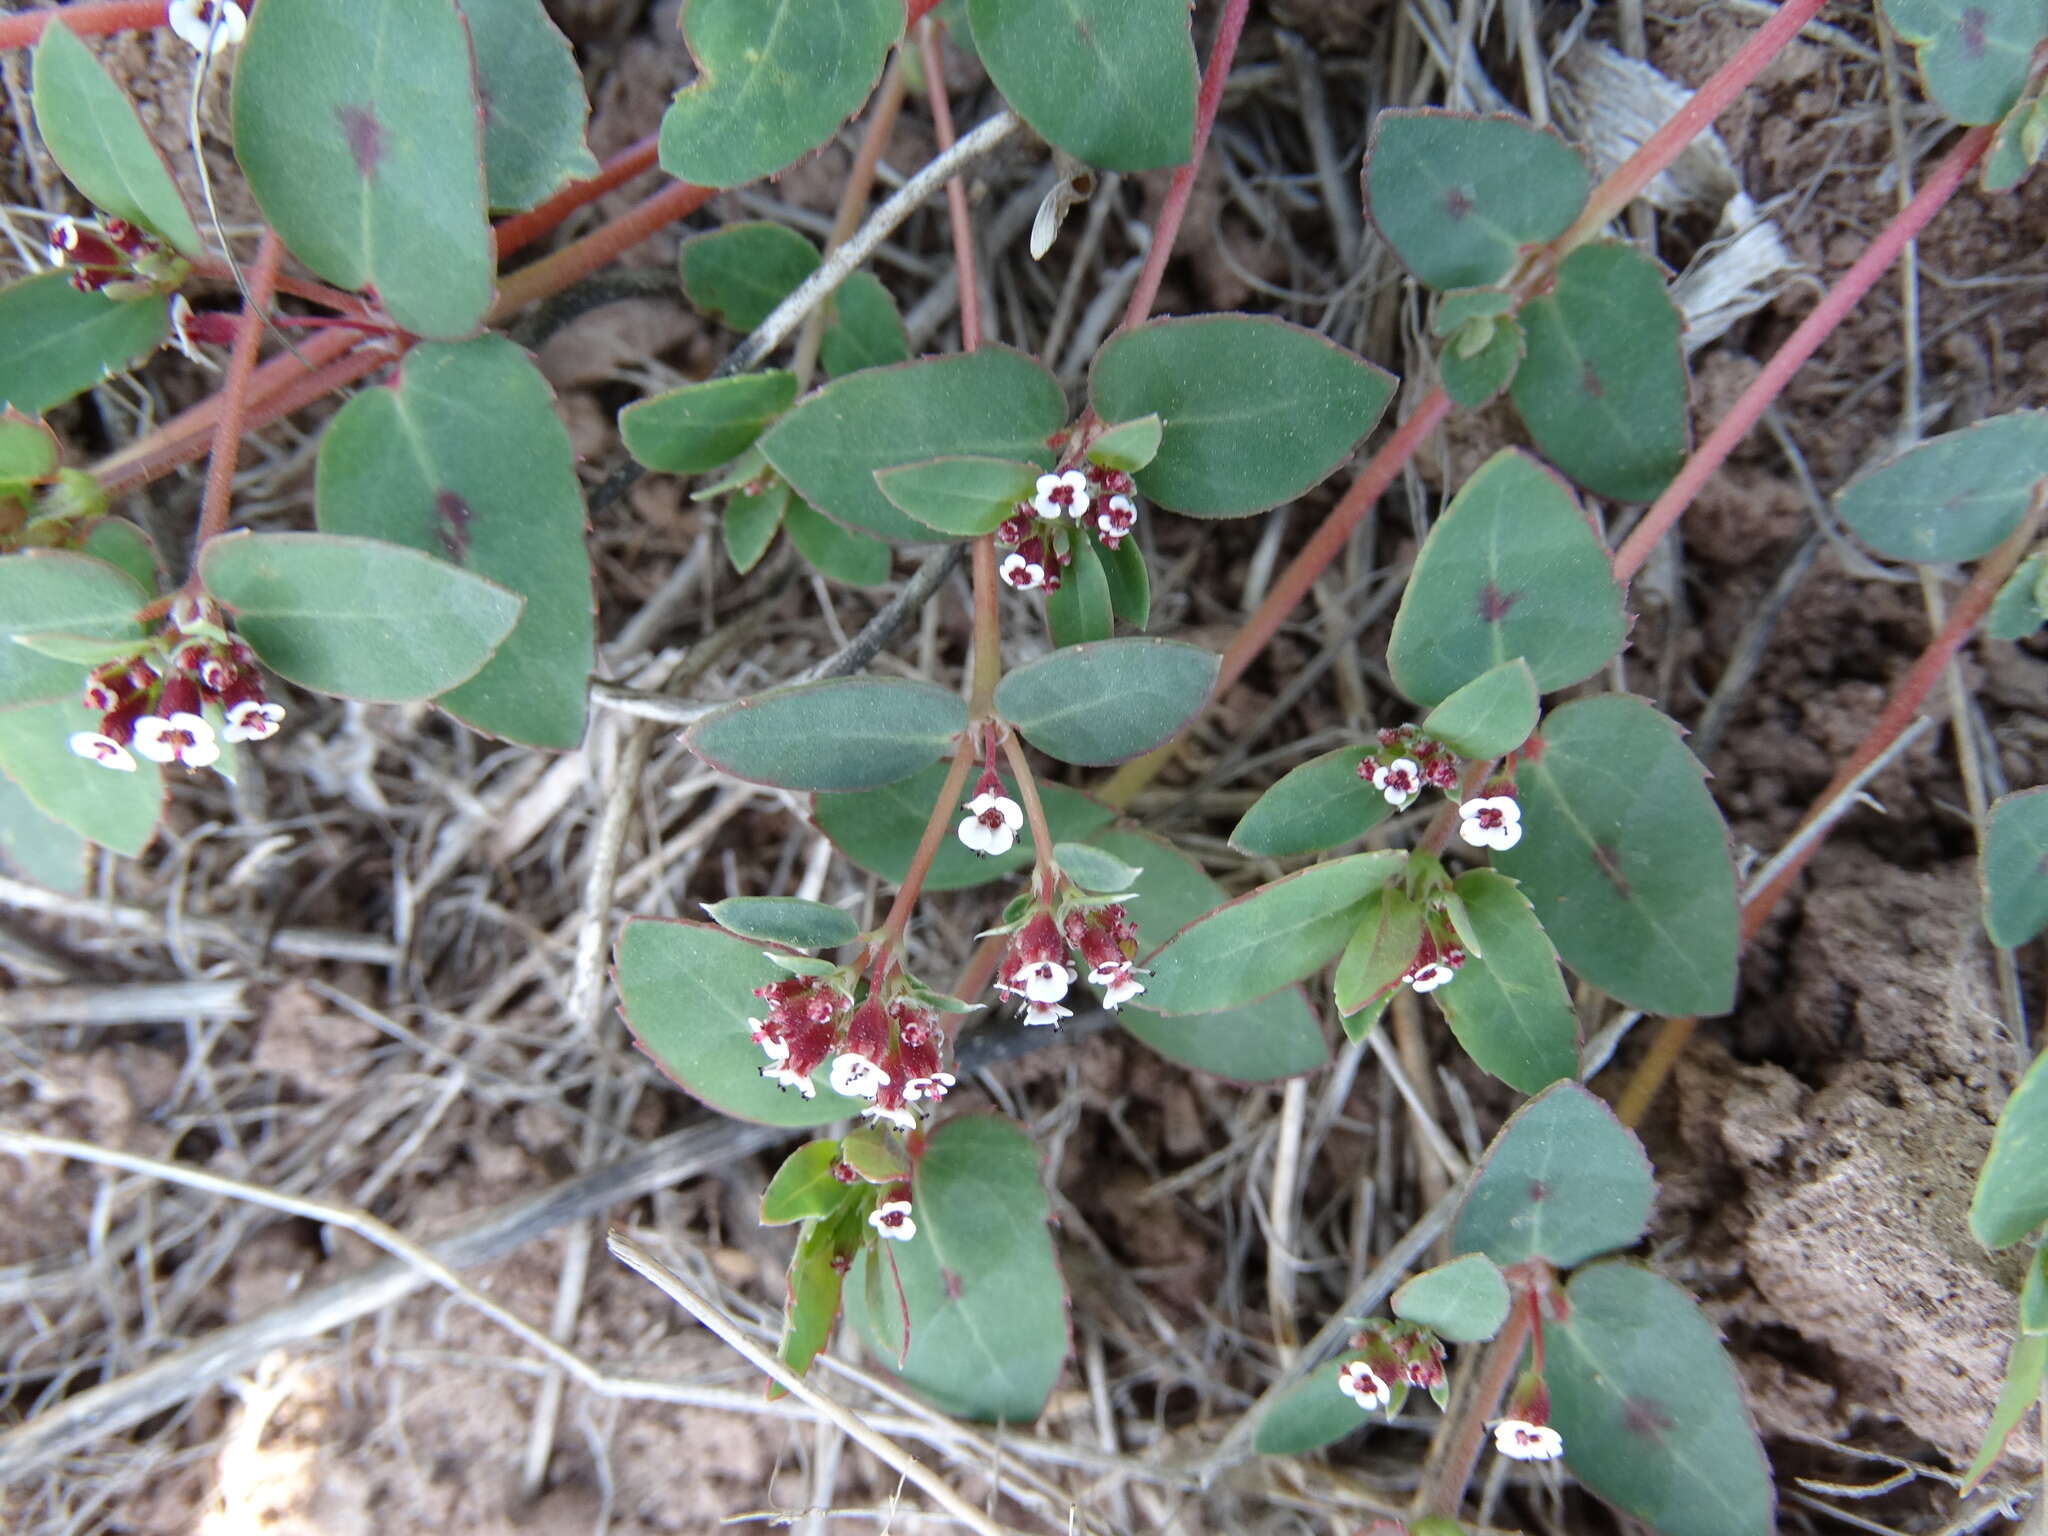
(892, 1219)
(902, 1119)
(104, 750)
(1527, 1442)
(1046, 1013)
(149, 739)
(191, 21)
(1047, 981)
(855, 1077)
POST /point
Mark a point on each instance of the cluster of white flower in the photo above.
(1101, 938)
(208, 25)
(889, 1055)
(993, 820)
(154, 704)
(1488, 821)
(1064, 506)
(892, 1219)
(1527, 1442)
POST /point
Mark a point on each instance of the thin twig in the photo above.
(885, 1450)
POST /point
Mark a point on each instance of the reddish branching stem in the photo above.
(234, 395)
(1772, 378)
(91, 20)
(1034, 815)
(1167, 229)
(600, 248)
(898, 920)
(522, 229)
(1444, 1492)
(956, 190)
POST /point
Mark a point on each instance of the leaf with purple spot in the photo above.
(1563, 1181)
(360, 132)
(1973, 53)
(463, 457)
(1650, 1409)
(1512, 569)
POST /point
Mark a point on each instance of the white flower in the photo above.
(892, 1219)
(1119, 515)
(193, 20)
(1428, 978)
(104, 750)
(1359, 1382)
(1045, 982)
(772, 1045)
(1046, 1013)
(1062, 495)
(1400, 781)
(1119, 983)
(991, 824)
(1527, 1442)
(184, 738)
(934, 1087)
(253, 720)
(902, 1119)
(1025, 575)
(1491, 822)
(855, 1077)
(782, 1077)
(181, 334)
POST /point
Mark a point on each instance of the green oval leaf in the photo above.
(965, 496)
(61, 342)
(1490, 716)
(120, 543)
(55, 590)
(2016, 1398)
(1954, 497)
(785, 920)
(1260, 1042)
(29, 455)
(95, 137)
(2018, 609)
(803, 1187)
(1321, 805)
(533, 101)
(987, 1308)
(1563, 1180)
(993, 402)
(1092, 869)
(464, 458)
(878, 829)
(1309, 1415)
(1280, 933)
(845, 733)
(357, 127)
(1512, 568)
(1129, 445)
(1110, 82)
(116, 810)
(2014, 868)
(1973, 54)
(1602, 385)
(687, 991)
(739, 273)
(816, 1280)
(1480, 360)
(1650, 1409)
(750, 523)
(1465, 1300)
(1102, 703)
(851, 558)
(696, 428)
(862, 328)
(2012, 1191)
(36, 846)
(1130, 588)
(1509, 1009)
(1378, 955)
(358, 617)
(1458, 197)
(1625, 857)
(1079, 611)
(2034, 1293)
(775, 79)
(1254, 411)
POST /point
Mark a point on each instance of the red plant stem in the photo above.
(219, 271)
(1034, 813)
(1167, 229)
(26, 27)
(1444, 1492)
(956, 190)
(577, 260)
(184, 437)
(1619, 188)
(522, 229)
(1799, 346)
(916, 11)
(234, 396)
(928, 845)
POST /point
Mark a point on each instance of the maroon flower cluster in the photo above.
(154, 704)
(113, 257)
(889, 1053)
(1100, 938)
(1386, 1355)
(1065, 506)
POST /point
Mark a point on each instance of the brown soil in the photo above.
(1816, 1152)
